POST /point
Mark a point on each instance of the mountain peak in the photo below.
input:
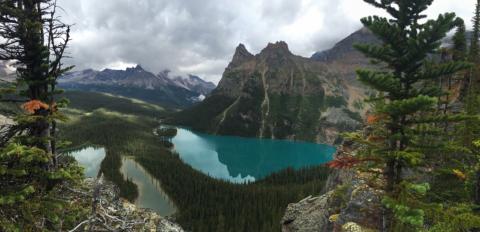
(241, 55)
(280, 47)
(137, 68)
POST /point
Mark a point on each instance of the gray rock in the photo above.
(348, 200)
(310, 214)
(339, 118)
(363, 208)
(119, 214)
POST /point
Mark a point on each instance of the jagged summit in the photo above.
(241, 55)
(278, 47)
(137, 68)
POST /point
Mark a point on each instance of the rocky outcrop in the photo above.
(351, 202)
(115, 214)
(310, 214)
(337, 119)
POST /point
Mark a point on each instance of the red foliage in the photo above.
(34, 105)
(371, 119)
(374, 118)
(375, 139)
(346, 162)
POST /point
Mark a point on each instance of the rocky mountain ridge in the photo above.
(136, 82)
(195, 84)
(276, 94)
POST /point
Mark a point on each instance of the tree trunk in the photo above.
(477, 188)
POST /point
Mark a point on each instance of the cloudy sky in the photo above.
(200, 36)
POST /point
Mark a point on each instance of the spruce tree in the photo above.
(474, 46)
(459, 41)
(471, 132)
(404, 110)
(33, 37)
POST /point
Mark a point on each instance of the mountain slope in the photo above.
(195, 84)
(275, 94)
(138, 83)
(345, 50)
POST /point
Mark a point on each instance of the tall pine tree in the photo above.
(472, 101)
(405, 110)
(460, 41)
(474, 46)
(34, 38)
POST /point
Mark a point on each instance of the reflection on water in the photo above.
(240, 159)
(150, 193)
(90, 158)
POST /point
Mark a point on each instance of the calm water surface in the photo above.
(90, 158)
(150, 194)
(230, 158)
(240, 159)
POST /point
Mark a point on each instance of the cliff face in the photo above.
(349, 203)
(276, 94)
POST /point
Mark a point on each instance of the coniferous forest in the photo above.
(406, 129)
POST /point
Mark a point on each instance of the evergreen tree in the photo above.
(32, 36)
(472, 102)
(459, 41)
(474, 46)
(404, 111)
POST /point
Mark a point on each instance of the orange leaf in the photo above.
(34, 105)
(375, 139)
(371, 119)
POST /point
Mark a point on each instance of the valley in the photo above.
(242, 154)
(124, 128)
(348, 127)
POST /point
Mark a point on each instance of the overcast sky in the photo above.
(200, 36)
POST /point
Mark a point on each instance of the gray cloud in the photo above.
(199, 37)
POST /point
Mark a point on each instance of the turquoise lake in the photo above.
(238, 159)
(234, 159)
